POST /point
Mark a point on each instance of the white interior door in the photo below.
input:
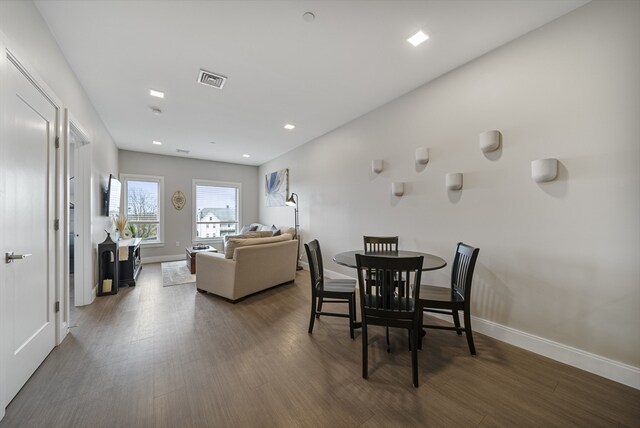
(27, 156)
(80, 146)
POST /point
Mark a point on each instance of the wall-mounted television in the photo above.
(112, 197)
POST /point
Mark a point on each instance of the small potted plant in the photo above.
(121, 226)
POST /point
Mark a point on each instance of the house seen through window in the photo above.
(216, 212)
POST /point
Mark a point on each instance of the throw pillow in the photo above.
(253, 228)
(278, 232)
(245, 229)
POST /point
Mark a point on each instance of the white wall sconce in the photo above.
(377, 166)
(422, 155)
(543, 170)
(454, 181)
(490, 141)
(397, 188)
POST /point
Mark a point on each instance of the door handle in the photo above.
(10, 256)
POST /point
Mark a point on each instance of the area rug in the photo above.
(176, 273)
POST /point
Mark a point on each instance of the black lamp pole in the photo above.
(292, 201)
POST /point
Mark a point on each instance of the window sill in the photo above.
(154, 244)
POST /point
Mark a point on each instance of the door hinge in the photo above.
(57, 307)
(56, 224)
(57, 142)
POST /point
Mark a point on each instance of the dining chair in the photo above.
(335, 290)
(448, 301)
(392, 301)
(373, 244)
(380, 243)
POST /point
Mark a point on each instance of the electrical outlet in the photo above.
(177, 243)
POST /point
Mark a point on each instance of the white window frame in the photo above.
(124, 178)
(194, 207)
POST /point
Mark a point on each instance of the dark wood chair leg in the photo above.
(319, 307)
(313, 314)
(414, 356)
(365, 356)
(456, 321)
(388, 343)
(468, 332)
(422, 333)
(352, 315)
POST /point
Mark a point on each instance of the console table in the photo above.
(129, 268)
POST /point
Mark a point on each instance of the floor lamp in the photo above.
(292, 201)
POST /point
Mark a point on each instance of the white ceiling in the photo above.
(317, 75)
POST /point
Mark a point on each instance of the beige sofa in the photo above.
(256, 264)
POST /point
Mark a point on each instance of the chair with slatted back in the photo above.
(374, 244)
(450, 300)
(389, 288)
(379, 244)
(324, 290)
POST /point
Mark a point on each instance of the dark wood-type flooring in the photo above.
(154, 356)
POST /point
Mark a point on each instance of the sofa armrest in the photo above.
(215, 274)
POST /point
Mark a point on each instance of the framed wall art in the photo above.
(276, 188)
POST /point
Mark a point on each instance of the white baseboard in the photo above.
(158, 259)
(592, 363)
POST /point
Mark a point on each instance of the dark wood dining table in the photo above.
(430, 262)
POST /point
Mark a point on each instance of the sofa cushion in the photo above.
(234, 243)
(245, 229)
(256, 234)
(290, 230)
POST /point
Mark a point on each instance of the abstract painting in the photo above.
(276, 188)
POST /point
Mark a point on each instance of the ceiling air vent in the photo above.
(186, 152)
(211, 79)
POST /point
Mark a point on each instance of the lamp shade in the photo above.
(377, 166)
(490, 141)
(397, 188)
(291, 201)
(422, 155)
(543, 170)
(454, 181)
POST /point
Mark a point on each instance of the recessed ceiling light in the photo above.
(157, 143)
(156, 93)
(246, 156)
(418, 38)
(289, 126)
(309, 16)
(156, 111)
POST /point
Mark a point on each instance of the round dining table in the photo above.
(430, 262)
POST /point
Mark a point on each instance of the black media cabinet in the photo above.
(129, 269)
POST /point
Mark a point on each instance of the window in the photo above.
(143, 204)
(216, 211)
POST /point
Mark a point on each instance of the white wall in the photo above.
(178, 174)
(32, 42)
(558, 260)
(28, 37)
